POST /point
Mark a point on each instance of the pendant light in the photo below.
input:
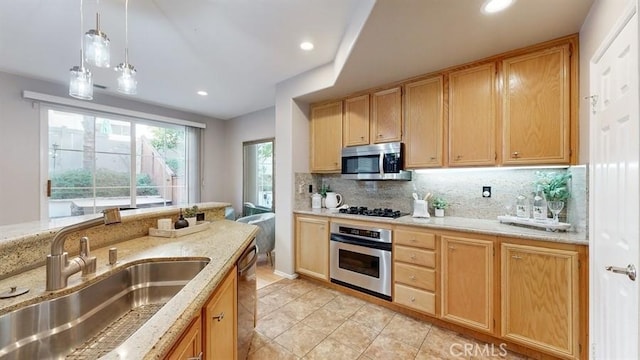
(127, 83)
(80, 78)
(97, 44)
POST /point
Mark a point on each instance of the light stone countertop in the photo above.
(479, 226)
(222, 244)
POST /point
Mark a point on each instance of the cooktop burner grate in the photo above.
(379, 212)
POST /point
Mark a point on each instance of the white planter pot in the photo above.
(192, 221)
(439, 212)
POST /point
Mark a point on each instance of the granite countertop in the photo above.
(222, 243)
(480, 226)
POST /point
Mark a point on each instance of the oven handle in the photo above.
(353, 241)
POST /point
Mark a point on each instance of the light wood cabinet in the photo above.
(414, 269)
(536, 108)
(423, 121)
(190, 344)
(312, 246)
(326, 137)
(467, 281)
(386, 115)
(540, 298)
(221, 320)
(472, 116)
(355, 124)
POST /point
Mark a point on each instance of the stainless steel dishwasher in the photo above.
(247, 299)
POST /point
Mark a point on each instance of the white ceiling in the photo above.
(238, 50)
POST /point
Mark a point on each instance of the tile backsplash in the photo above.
(462, 188)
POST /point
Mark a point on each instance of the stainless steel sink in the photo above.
(94, 320)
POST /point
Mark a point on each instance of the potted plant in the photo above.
(324, 189)
(556, 189)
(190, 214)
(439, 204)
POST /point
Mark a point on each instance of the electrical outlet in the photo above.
(486, 191)
(300, 188)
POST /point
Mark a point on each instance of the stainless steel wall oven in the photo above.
(360, 258)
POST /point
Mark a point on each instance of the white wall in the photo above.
(601, 18)
(20, 183)
(254, 126)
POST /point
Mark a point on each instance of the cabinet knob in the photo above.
(458, 157)
(515, 154)
(379, 135)
(413, 256)
(362, 137)
(433, 158)
(219, 317)
(412, 299)
(412, 277)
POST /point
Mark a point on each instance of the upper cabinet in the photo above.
(423, 121)
(515, 108)
(326, 137)
(355, 125)
(386, 115)
(472, 116)
(536, 107)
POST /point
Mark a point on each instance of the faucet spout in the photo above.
(59, 267)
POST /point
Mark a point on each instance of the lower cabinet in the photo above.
(221, 321)
(190, 344)
(467, 282)
(540, 304)
(312, 246)
(414, 269)
(213, 333)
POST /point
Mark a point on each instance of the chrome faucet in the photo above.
(59, 267)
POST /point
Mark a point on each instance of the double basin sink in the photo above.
(94, 320)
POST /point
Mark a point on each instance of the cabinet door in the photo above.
(312, 247)
(423, 123)
(326, 137)
(190, 344)
(386, 116)
(472, 116)
(467, 282)
(221, 319)
(540, 298)
(536, 108)
(356, 121)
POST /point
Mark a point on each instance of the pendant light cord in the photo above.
(126, 32)
(81, 38)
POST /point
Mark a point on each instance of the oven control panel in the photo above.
(362, 232)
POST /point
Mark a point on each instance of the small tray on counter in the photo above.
(200, 226)
(548, 225)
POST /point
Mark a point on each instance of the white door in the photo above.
(614, 193)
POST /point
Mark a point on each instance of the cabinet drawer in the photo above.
(415, 276)
(415, 238)
(414, 256)
(417, 299)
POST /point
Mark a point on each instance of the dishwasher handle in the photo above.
(253, 249)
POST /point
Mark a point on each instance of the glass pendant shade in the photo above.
(127, 83)
(97, 48)
(80, 83)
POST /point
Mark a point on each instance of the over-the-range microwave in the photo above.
(374, 162)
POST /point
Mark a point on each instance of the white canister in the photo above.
(164, 224)
(316, 201)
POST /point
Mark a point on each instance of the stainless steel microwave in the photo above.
(374, 162)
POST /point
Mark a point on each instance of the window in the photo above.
(98, 161)
(258, 181)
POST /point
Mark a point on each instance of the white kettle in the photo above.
(333, 200)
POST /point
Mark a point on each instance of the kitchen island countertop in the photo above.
(222, 243)
(480, 226)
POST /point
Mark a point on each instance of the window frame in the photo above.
(272, 140)
(192, 194)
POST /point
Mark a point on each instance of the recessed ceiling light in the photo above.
(494, 6)
(307, 46)
(202, 93)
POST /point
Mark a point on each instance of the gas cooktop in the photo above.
(379, 212)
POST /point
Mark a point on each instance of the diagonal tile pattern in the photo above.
(298, 319)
